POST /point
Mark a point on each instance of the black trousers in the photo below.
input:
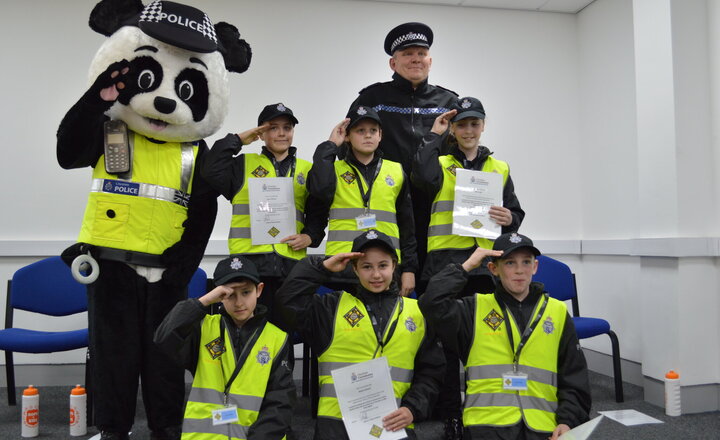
(123, 312)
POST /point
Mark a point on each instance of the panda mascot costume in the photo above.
(158, 87)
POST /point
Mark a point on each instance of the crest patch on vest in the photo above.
(548, 325)
(493, 319)
(410, 324)
(348, 177)
(216, 347)
(353, 316)
(300, 179)
(260, 171)
(389, 180)
(263, 356)
(452, 169)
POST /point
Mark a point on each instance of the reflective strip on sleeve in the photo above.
(145, 190)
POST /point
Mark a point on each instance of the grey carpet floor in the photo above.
(54, 418)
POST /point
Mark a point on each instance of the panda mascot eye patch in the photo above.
(191, 86)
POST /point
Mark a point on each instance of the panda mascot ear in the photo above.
(235, 51)
(109, 15)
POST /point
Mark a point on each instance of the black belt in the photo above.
(130, 257)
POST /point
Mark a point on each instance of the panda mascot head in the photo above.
(176, 87)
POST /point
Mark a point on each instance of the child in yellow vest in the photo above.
(240, 361)
(228, 173)
(363, 191)
(526, 375)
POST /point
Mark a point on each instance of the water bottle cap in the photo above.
(77, 391)
(672, 375)
(30, 391)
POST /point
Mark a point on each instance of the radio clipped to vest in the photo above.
(117, 147)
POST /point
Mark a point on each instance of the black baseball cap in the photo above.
(360, 112)
(373, 237)
(511, 242)
(272, 111)
(408, 34)
(468, 107)
(234, 268)
(182, 26)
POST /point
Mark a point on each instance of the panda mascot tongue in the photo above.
(158, 86)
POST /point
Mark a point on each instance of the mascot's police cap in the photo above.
(408, 34)
(179, 25)
(468, 107)
(360, 112)
(272, 111)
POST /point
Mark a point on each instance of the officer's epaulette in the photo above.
(369, 87)
(447, 90)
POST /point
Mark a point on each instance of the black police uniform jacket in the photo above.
(313, 316)
(454, 320)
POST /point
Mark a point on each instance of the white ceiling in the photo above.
(568, 6)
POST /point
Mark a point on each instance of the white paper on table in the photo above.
(582, 432)
(475, 193)
(630, 417)
(272, 209)
(365, 394)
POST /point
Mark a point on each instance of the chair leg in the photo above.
(314, 387)
(10, 375)
(306, 369)
(89, 390)
(617, 371)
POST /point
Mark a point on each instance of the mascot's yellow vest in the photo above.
(259, 166)
(486, 402)
(355, 341)
(348, 204)
(216, 364)
(143, 212)
(440, 234)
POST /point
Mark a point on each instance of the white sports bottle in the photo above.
(30, 412)
(78, 411)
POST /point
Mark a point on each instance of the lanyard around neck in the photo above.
(276, 165)
(391, 330)
(542, 304)
(366, 196)
(240, 361)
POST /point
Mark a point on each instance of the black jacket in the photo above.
(406, 114)
(224, 170)
(454, 320)
(322, 184)
(80, 143)
(313, 316)
(179, 336)
(428, 176)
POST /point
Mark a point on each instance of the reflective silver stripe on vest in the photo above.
(443, 206)
(504, 399)
(401, 374)
(349, 213)
(325, 368)
(436, 230)
(188, 159)
(146, 190)
(496, 371)
(208, 395)
(205, 426)
(351, 235)
(328, 390)
(239, 233)
(244, 209)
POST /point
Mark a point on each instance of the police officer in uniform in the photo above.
(408, 106)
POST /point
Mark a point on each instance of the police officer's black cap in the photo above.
(360, 112)
(179, 25)
(235, 268)
(375, 238)
(273, 111)
(468, 107)
(511, 242)
(408, 34)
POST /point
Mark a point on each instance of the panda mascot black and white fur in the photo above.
(158, 87)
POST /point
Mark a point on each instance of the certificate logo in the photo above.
(353, 316)
(348, 177)
(301, 179)
(389, 180)
(376, 431)
(452, 169)
(548, 326)
(410, 324)
(263, 356)
(273, 231)
(216, 347)
(260, 171)
(493, 319)
(477, 224)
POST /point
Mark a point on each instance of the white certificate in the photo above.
(365, 393)
(272, 209)
(475, 193)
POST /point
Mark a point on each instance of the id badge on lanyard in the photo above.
(223, 416)
(366, 221)
(516, 381)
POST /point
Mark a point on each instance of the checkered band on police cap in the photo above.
(180, 25)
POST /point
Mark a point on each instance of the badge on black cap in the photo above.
(179, 25)
(408, 34)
